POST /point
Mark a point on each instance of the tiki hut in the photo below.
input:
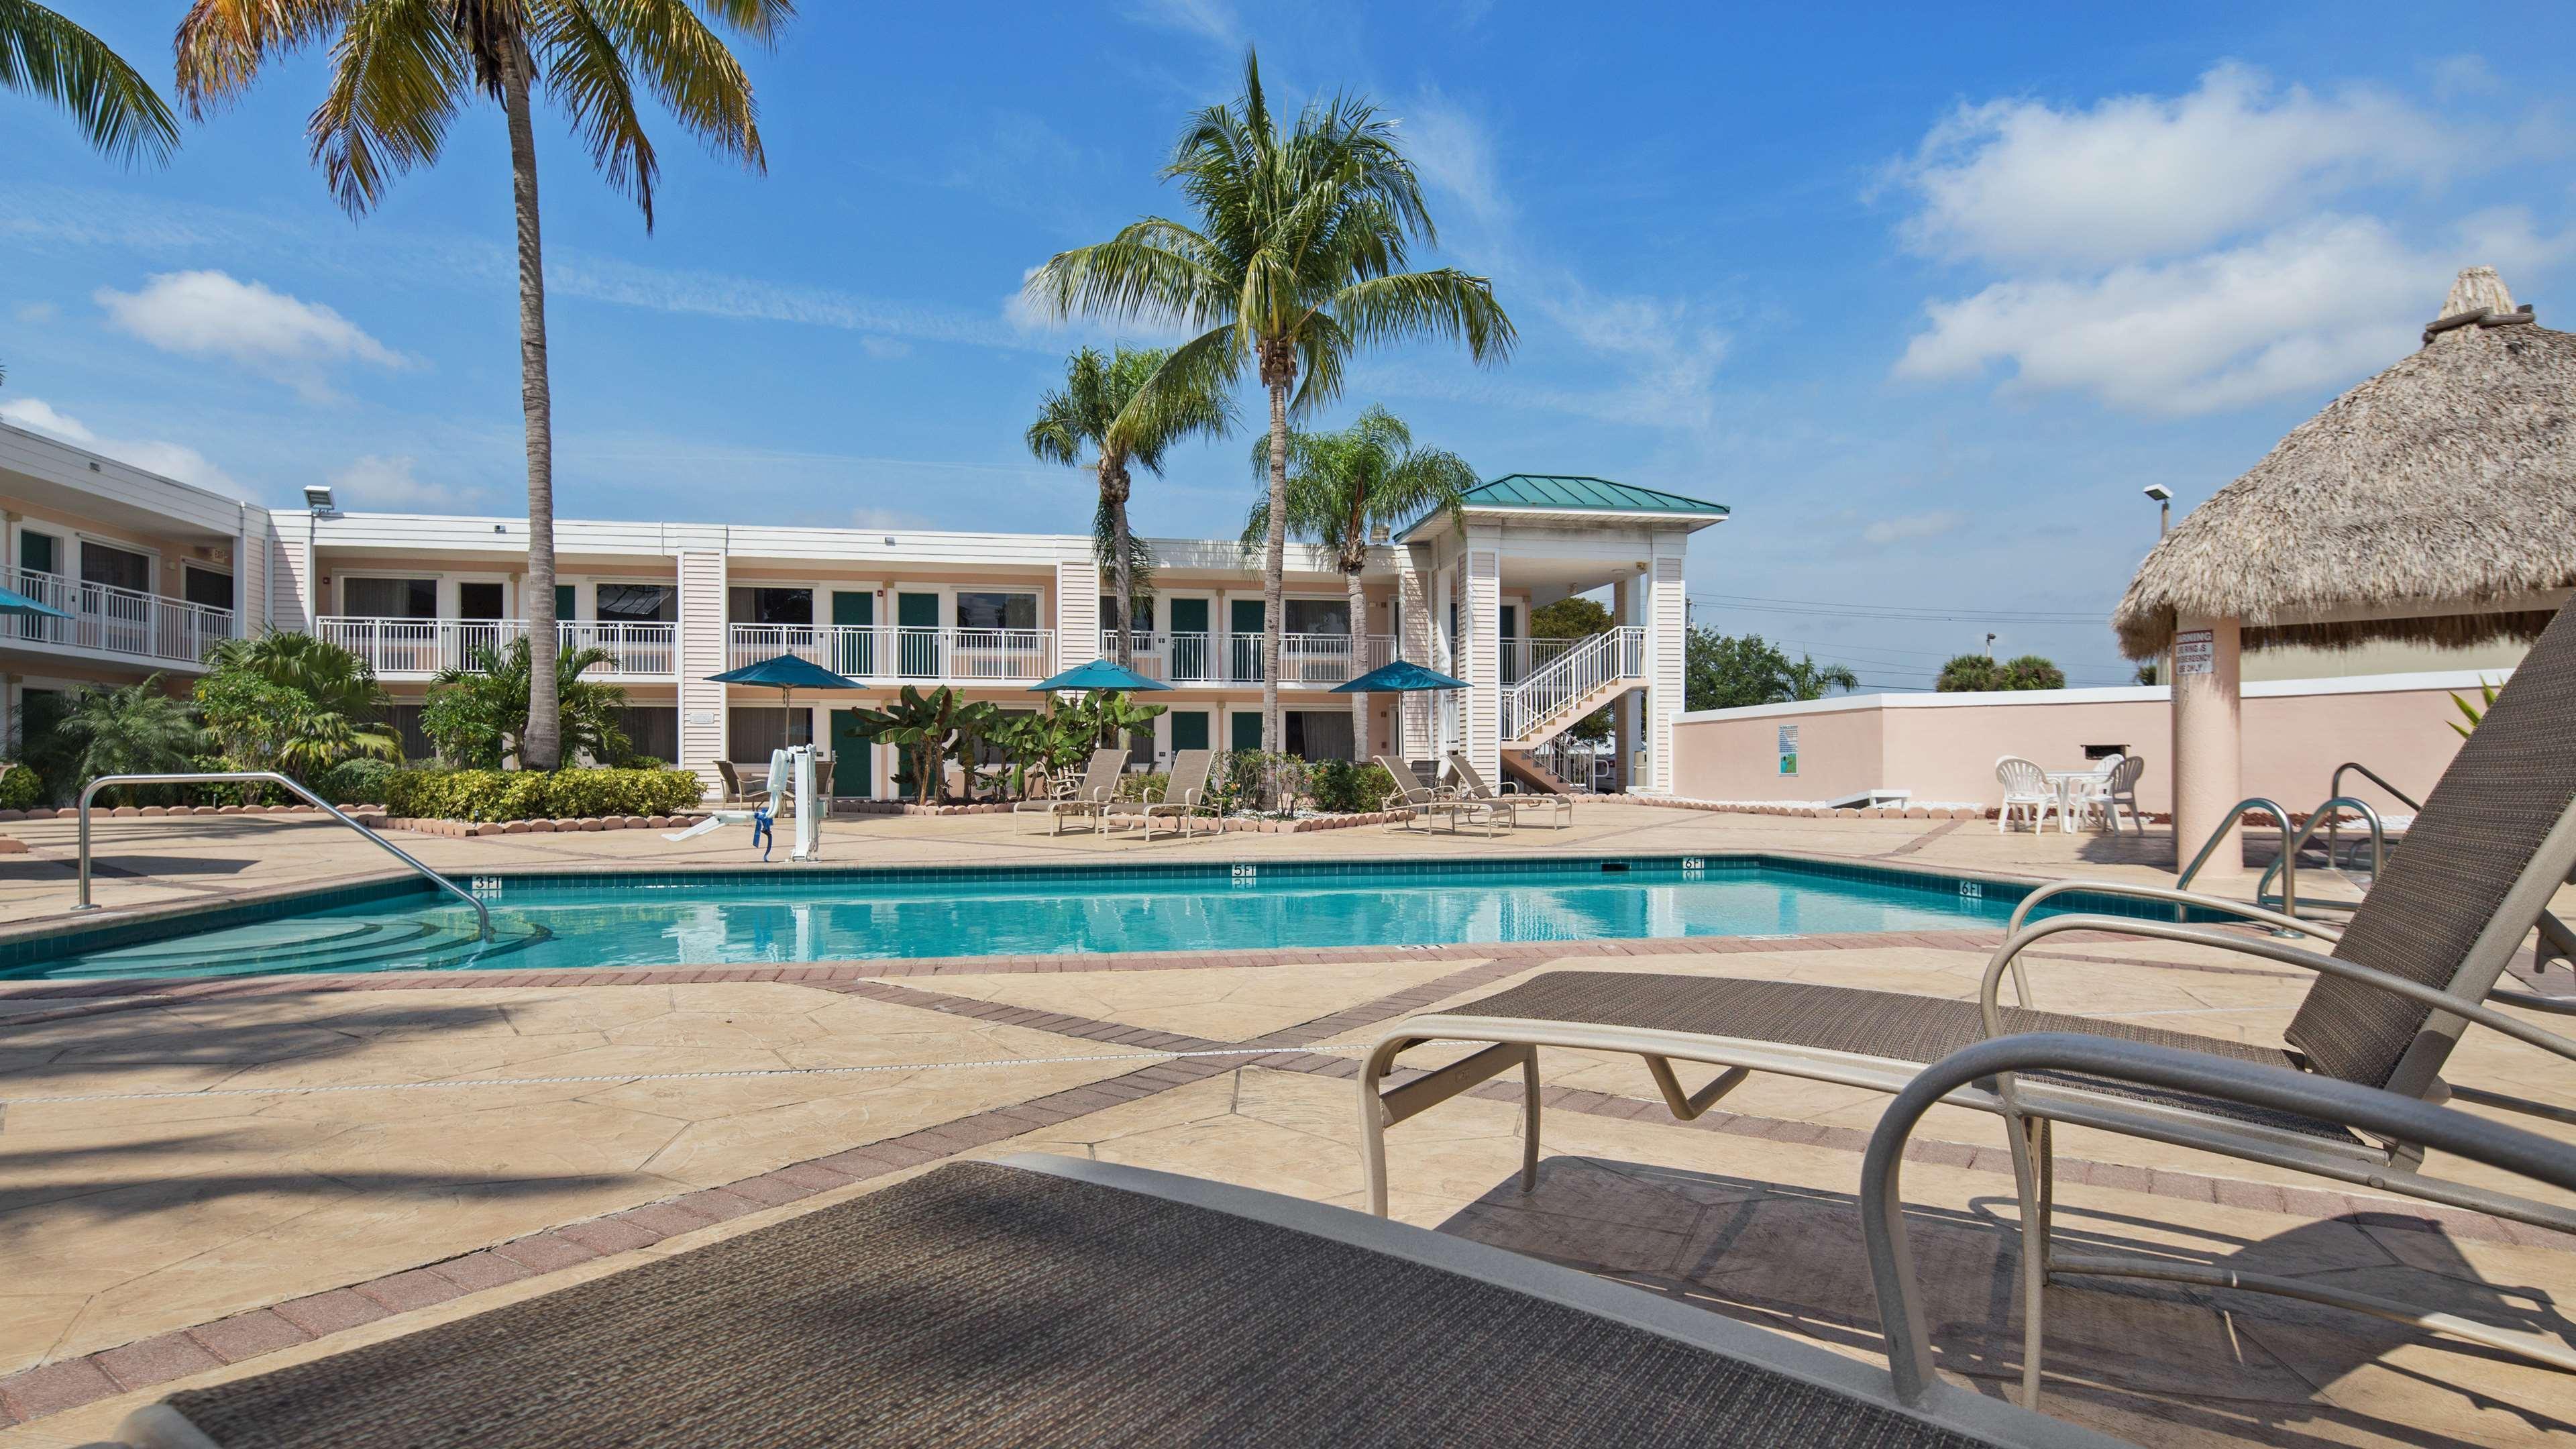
(2435, 503)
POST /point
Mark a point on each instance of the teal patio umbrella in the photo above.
(1098, 674)
(13, 602)
(1401, 677)
(785, 672)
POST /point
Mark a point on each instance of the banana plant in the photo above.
(926, 728)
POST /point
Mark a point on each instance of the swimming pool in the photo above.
(544, 922)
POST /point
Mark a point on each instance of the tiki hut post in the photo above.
(2434, 504)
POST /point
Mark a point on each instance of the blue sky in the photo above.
(1926, 299)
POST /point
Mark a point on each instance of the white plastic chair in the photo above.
(2026, 787)
(2119, 788)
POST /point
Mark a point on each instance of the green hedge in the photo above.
(20, 788)
(357, 782)
(538, 795)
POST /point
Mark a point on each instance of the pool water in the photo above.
(555, 923)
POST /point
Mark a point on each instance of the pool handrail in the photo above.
(482, 913)
(2324, 818)
(2228, 822)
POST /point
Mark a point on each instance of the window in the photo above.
(390, 598)
(997, 611)
(1318, 616)
(480, 601)
(117, 568)
(405, 719)
(1315, 734)
(1109, 614)
(752, 731)
(206, 587)
(40, 552)
(638, 603)
(771, 606)
(652, 730)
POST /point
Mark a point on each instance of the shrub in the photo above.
(20, 788)
(1259, 781)
(1145, 788)
(360, 781)
(481, 795)
(1341, 787)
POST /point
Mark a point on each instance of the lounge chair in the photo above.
(1423, 802)
(1474, 787)
(2414, 967)
(1090, 798)
(733, 791)
(1185, 795)
(1052, 1300)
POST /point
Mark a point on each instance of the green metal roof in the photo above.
(1578, 495)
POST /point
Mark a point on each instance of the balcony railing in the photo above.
(117, 621)
(1319, 660)
(892, 652)
(426, 646)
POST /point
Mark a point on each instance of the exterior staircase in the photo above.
(1551, 698)
(1533, 774)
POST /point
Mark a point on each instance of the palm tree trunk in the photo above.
(1120, 566)
(1274, 563)
(543, 742)
(1359, 665)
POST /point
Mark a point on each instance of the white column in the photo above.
(2208, 743)
(1667, 621)
(1414, 712)
(1483, 648)
(1077, 612)
(702, 652)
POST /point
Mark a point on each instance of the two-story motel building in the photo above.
(154, 571)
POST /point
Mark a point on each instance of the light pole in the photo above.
(2164, 525)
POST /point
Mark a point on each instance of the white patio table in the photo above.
(2073, 786)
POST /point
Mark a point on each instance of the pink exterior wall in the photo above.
(1944, 747)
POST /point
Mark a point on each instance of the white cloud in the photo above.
(152, 455)
(1452, 154)
(212, 314)
(392, 484)
(2455, 76)
(2140, 177)
(1911, 526)
(1210, 20)
(2310, 306)
(885, 348)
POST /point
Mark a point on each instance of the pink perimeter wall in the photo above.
(1942, 747)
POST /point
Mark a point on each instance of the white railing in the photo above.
(1317, 660)
(1549, 693)
(426, 646)
(888, 652)
(1522, 656)
(118, 621)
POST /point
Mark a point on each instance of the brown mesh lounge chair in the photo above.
(1424, 803)
(1561, 806)
(2415, 965)
(1045, 1300)
(1185, 795)
(1091, 798)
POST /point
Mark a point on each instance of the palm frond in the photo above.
(45, 55)
(583, 59)
(398, 77)
(1446, 303)
(689, 68)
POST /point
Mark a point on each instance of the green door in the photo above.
(1243, 730)
(565, 608)
(917, 655)
(854, 654)
(1189, 644)
(853, 757)
(1189, 729)
(1243, 621)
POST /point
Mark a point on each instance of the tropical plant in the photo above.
(136, 730)
(2475, 714)
(356, 782)
(291, 702)
(1344, 486)
(47, 56)
(21, 788)
(1109, 717)
(2150, 673)
(1971, 672)
(1296, 262)
(1728, 671)
(479, 716)
(1104, 409)
(1341, 787)
(926, 727)
(400, 72)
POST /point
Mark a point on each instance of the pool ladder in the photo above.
(482, 913)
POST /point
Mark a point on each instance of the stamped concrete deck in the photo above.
(219, 1179)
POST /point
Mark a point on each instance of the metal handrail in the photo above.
(2236, 812)
(2324, 815)
(2334, 787)
(482, 913)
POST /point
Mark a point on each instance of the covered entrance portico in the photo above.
(1521, 543)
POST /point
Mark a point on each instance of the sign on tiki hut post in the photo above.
(1788, 749)
(2195, 651)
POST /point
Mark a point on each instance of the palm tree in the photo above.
(137, 730)
(1298, 260)
(482, 715)
(336, 679)
(43, 54)
(1343, 487)
(400, 72)
(1104, 407)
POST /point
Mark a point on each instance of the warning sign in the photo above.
(1788, 749)
(2195, 652)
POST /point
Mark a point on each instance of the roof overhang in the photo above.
(1425, 529)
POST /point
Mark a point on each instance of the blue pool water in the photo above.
(553, 923)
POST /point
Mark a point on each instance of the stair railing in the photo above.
(1559, 684)
(482, 913)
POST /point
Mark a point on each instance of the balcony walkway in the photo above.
(517, 1138)
(106, 620)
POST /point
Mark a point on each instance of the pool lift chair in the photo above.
(791, 776)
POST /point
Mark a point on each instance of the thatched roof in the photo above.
(2430, 503)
